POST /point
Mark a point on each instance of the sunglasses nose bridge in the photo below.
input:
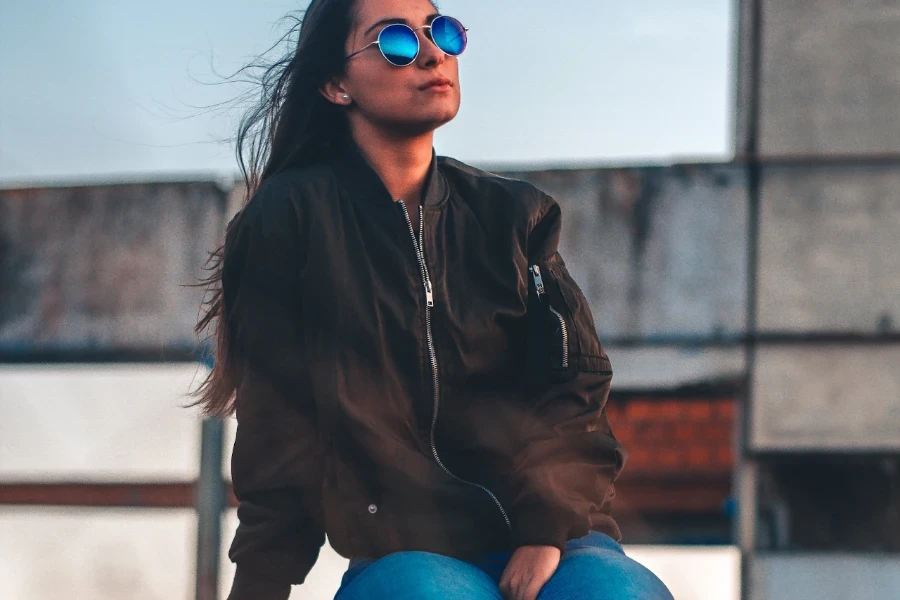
(428, 35)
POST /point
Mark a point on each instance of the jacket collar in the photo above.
(358, 177)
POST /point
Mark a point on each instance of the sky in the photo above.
(103, 89)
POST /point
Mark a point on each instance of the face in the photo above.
(395, 98)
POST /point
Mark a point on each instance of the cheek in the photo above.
(451, 69)
(382, 86)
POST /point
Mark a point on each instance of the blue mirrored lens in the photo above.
(399, 44)
(449, 35)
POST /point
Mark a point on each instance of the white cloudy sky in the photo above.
(111, 88)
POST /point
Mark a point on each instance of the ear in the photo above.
(334, 92)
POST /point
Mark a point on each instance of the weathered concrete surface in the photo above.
(103, 267)
(670, 367)
(829, 82)
(99, 423)
(833, 396)
(657, 251)
(824, 576)
(829, 252)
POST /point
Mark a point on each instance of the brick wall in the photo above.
(680, 453)
(674, 436)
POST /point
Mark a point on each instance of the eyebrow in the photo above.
(391, 20)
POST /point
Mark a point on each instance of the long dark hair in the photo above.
(290, 124)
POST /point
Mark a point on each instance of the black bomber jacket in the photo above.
(441, 389)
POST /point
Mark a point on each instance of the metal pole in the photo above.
(210, 498)
(748, 20)
(210, 502)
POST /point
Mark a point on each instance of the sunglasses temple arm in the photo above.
(375, 43)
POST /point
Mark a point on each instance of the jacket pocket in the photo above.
(552, 315)
(571, 333)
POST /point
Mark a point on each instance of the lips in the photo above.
(437, 81)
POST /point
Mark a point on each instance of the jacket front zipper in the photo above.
(539, 284)
(429, 298)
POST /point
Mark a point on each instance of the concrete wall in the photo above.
(817, 121)
(659, 252)
(829, 250)
(102, 267)
(818, 92)
(820, 576)
(829, 82)
(827, 397)
(828, 264)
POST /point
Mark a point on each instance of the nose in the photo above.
(429, 54)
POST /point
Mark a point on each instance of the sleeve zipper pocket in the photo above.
(542, 291)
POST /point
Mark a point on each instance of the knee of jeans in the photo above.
(417, 556)
(418, 569)
(415, 561)
(594, 539)
(613, 575)
(410, 569)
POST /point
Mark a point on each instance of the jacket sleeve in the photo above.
(563, 474)
(275, 463)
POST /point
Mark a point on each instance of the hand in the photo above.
(528, 569)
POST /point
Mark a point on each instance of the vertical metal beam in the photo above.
(210, 502)
(748, 38)
(743, 15)
(746, 483)
(210, 499)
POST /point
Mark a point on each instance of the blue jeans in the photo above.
(592, 568)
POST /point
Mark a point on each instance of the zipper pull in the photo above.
(428, 295)
(538, 282)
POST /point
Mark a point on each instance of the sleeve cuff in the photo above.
(539, 526)
(249, 586)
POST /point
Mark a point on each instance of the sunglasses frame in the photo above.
(418, 43)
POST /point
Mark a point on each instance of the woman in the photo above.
(414, 371)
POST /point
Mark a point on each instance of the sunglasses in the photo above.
(399, 43)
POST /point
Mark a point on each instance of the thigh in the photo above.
(596, 568)
(418, 575)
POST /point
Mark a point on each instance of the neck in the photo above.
(402, 162)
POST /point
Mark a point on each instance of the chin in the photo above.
(417, 128)
(424, 119)
(443, 111)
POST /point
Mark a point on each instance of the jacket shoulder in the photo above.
(284, 195)
(292, 187)
(277, 209)
(512, 193)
